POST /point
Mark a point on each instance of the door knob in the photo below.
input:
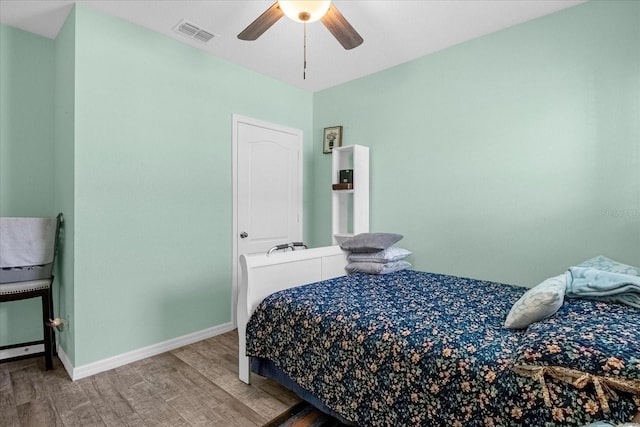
(244, 235)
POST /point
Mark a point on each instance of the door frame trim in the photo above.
(236, 119)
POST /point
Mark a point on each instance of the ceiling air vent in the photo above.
(193, 31)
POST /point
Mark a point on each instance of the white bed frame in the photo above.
(264, 274)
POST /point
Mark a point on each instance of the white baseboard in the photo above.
(21, 351)
(65, 361)
(93, 368)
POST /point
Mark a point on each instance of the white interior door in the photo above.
(267, 188)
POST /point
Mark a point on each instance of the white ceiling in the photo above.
(394, 31)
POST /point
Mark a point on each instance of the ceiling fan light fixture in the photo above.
(304, 10)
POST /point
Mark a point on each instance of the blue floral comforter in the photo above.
(414, 348)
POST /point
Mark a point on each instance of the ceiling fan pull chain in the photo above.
(304, 70)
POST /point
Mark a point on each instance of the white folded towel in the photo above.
(26, 241)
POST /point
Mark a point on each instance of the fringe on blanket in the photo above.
(605, 386)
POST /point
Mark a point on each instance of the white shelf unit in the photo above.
(350, 208)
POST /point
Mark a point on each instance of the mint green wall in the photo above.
(63, 159)
(153, 182)
(26, 148)
(139, 160)
(510, 157)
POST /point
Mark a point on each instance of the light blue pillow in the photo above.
(606, 264)
(388, 255)
(376, 267)
(537, 303)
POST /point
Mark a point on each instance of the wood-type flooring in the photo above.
(195, 385)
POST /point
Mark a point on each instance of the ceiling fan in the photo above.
(305, 12)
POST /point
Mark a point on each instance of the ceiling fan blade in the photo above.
(341, 29)
(262, 23)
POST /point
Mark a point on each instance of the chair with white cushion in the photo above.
(27, 253)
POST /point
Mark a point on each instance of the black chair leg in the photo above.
(48, 331)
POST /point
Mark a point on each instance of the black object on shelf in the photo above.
(345, 176)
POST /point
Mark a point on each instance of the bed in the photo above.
(416, 348)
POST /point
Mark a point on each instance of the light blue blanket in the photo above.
(591, 283)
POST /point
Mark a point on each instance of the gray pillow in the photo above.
(388, 255)
(370, 242)
(376, 267)
(537, 303)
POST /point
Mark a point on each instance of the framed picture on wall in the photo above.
(332, 138)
